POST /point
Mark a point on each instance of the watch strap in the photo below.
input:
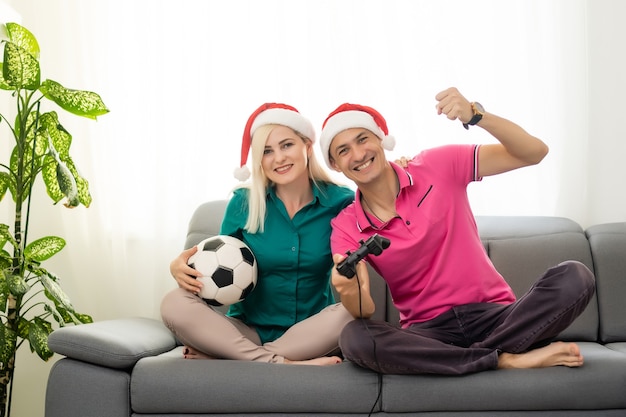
(477, 117)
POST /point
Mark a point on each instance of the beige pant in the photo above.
(199, 326)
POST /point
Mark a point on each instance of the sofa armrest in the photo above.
(118, 343)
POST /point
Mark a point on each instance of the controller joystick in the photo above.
(374, 245)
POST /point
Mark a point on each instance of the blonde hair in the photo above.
(257, 187)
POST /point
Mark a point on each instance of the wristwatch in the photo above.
(478, 110)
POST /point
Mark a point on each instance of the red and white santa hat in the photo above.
(348, 116)
(270, 114)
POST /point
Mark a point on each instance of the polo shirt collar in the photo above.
(404, 179)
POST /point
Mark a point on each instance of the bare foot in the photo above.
(191, 353)
(324, 360)
(557, 353)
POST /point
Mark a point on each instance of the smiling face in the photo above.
(285, 156)
(358, 154)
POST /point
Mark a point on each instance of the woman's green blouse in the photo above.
(293, 257)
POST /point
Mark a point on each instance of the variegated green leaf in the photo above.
(4, 290)
(84, 196)
(7, 341)
(49, 175)
(55, 315)
(34, 125)
(5, 180)
(38, 333)
(78, 102)
(66, 317)
(83, 318)
(55, 293)
(44, 248)
(22, 37)
(5, 260)
(67, 184)
(82, 185)
(4, 85)
(16, 285)
(6, 235)
(20, 69)
(59, 183)
(60, 138)
(53, 188)
(22, 327)
(65, 313)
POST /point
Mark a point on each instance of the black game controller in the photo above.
(374, 245)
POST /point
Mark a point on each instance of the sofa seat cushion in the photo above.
(166, 384)
(617, 346)
(599, 384)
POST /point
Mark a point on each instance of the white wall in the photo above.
(607, 112)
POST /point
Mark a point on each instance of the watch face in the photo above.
(479, 107)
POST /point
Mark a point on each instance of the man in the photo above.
(457, 313)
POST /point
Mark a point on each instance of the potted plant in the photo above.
(31, 299)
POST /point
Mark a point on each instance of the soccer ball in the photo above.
(228, 267)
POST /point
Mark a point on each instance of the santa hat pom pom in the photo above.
(242, 173)
(389, 142)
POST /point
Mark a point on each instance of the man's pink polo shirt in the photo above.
(436, 259)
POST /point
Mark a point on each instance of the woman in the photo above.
(284, 216)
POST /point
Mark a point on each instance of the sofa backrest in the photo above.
(522, 248)
(608, 248)
(205, 221)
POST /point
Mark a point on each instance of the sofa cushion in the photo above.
(522, 248)
(113, 343)
(164, 384)
(617, 346)
(608, 245)
(206, 221)
(556, 388)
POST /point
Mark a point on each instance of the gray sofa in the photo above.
(133, 367)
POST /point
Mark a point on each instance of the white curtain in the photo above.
(181, 77)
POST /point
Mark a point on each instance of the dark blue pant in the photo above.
(468, 338)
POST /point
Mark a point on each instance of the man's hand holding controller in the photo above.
(374, 245)
(355, 294)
